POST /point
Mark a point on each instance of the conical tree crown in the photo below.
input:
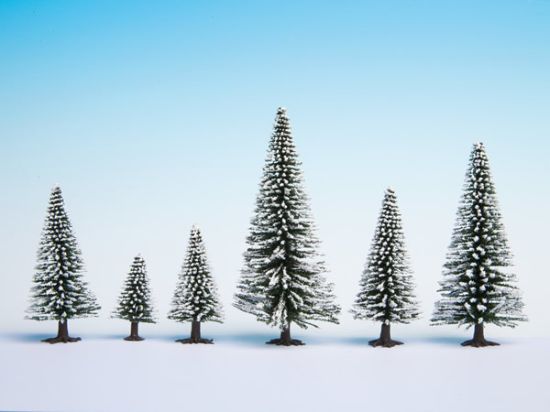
(386, 287)
(476, 287)
(134, 303)
(58, 290)
(282, 279)
(196, 296)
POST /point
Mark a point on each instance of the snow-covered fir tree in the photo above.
(59, 291)
(196, 297)
(134, 303)
(386, 288)
(283, 280)
(477, 287)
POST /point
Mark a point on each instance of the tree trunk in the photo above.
(195, 334)
(134, 333)
(63, 330)
(385, 339)
(285, 339)
(479, 340)
(195, 330)
(62, 333)
(285, 335)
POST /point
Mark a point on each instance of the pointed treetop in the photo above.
(281, 119)
(56, 191)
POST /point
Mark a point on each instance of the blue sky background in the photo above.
(153, 116)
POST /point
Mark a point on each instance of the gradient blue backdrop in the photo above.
(153, 116)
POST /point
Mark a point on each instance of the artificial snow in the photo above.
(241, 373)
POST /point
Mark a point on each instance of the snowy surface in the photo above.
(240, 373)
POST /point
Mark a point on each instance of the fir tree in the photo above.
(134, 303)
(386, 287)
(58, 291)
(477, 288)
(283, 279)
(196, 297)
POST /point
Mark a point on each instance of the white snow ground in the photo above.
(241, 373)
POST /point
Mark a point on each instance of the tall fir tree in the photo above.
(386, 288)
(196, 297)
(283, 280)
(477, 288)
(134, 303)
(59, 291)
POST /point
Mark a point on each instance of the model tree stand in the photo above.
(59, 292)
(477, 289)
(386, 286)
(134, 303)
(282, 282)
(196, 298)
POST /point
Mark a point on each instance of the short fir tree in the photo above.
(59, 291)
(283, 278)
(386, 287)
(134, 303)
(196, 297)
(477, 289)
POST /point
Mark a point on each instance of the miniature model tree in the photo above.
(386, 287)
(283, 277)
(196, 298)
(134, 303)
(59, 291)
(477, 289)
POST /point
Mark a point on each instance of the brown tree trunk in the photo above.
(285, 339)
(63, 330)
(285, 335)
(479, 341)
(195, 330)
(385, 339)
(62, 333)
(195, 334)
(134, 333)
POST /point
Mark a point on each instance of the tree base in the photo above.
(191, 340)
(61, 339)
(285, 342)
(132, 338)
(385, 343)
(479, 343)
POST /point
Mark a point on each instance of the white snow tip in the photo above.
(281, 109)
(478, 145)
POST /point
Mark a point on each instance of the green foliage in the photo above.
(58, 290)
(196, 296)
(477, 288)
(282, 280)
(386, 287)
(134, 303)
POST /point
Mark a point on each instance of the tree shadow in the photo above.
(246, 339)
(439, 340)
(26, 337)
